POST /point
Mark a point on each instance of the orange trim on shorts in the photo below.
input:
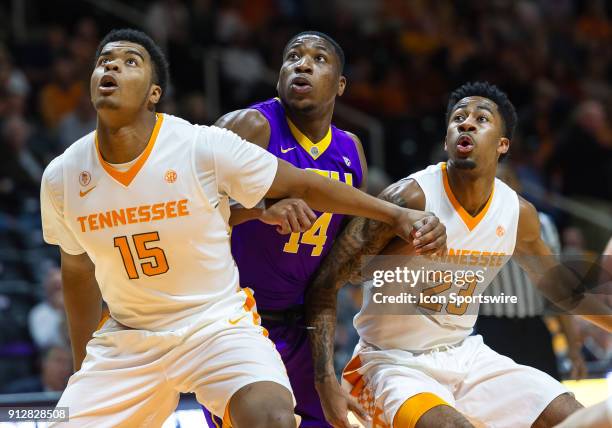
(103, 319)
(351, 375)
(250, 300)
(470, 222)
(414, 408)
(251, 306)
(227, 422)
(126, 177)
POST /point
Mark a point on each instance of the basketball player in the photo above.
(295, 127)
(424, 370)
(139, 208)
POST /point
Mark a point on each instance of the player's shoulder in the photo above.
(250, 124)
(52, 182)
(356, 142)
(527, 209)
(216, 139)
(501, 186)
(529, 220)
(406, 193)
(271, 103)
(177, 121)
(73, 153)
(178, 134)
(175, 125)
(431, 171)
(509, 201)
(54, 172)
(355, 138)
(247, 117)
(410, 191)
(82, 144)
(216, 134)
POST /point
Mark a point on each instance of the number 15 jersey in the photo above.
(156, 228)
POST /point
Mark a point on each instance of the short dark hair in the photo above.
(491, 92)
(337, 49)
(161, 74)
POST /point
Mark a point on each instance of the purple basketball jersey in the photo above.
(279, 267)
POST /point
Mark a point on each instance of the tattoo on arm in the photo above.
(361, 237)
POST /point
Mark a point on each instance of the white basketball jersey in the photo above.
(482, 243)
(158, 232)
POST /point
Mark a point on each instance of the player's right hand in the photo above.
(429, 235)
(423, 229)
(289, 215)
(336, 404)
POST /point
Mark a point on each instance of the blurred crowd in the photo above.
(553, 58)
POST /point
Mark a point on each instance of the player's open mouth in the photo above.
(301, 85)
(465, 144)
(108, 84)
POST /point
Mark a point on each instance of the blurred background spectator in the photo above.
(553, 58)
(46, 321)
(56, 368)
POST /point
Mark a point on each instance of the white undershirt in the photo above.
(122, 167)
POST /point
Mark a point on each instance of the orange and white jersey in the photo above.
(157, 228)
(438, 314)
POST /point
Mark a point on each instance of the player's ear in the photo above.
(155, 93)
(503, 146)
(445, 147)
(341, 86)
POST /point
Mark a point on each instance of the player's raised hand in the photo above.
(336, 404)
(289, 215)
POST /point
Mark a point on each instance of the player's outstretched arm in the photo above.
(361, 237)
(289, 215)
(558, 283)
(324, 194)
(82, 300)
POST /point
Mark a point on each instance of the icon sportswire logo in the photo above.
(81, 193)
(287, 150)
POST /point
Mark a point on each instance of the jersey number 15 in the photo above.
(157, 266)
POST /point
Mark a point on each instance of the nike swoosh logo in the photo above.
(287, 150)
(234, 322)
(81, 193)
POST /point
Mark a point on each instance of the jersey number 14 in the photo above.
(317, 234)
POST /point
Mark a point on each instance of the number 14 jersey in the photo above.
(279, 267)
